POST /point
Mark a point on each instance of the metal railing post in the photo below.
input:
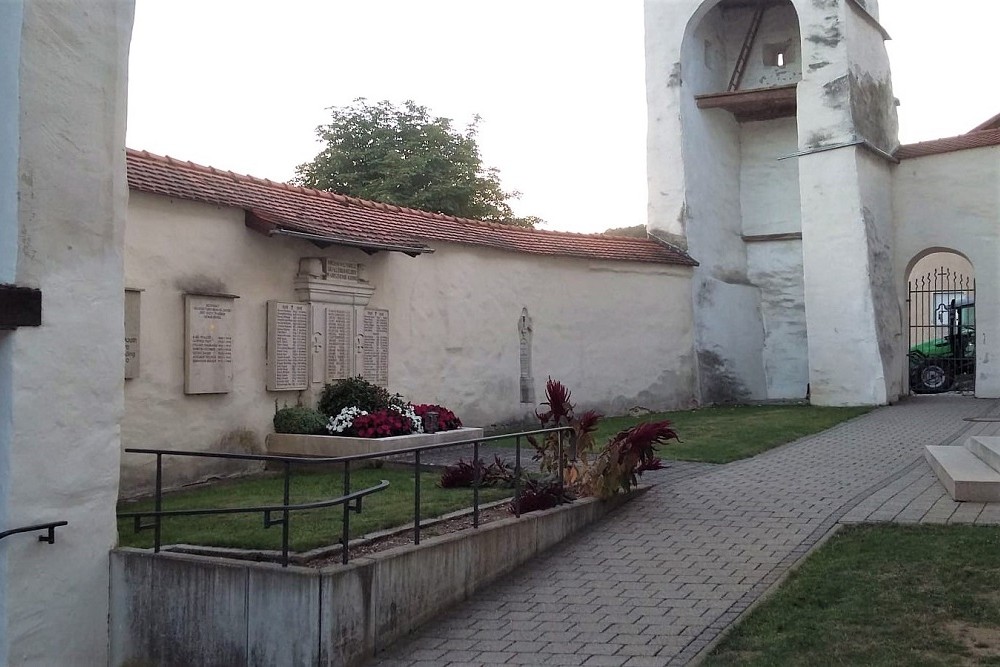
(559, 451)
(416, 497)
(158, 503)
(285, 515)
(517, 477)
(475, 485)
(346, 525)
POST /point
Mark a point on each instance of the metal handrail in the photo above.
(350, 500)
(49, 528)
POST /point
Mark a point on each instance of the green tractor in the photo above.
(936, 364)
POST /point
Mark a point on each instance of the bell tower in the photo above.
(771, 130)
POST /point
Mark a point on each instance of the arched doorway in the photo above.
(941, 307)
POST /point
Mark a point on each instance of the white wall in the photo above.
(60, 384)
(11, 16)
(778, 26)
(952, 202)
(618, 334)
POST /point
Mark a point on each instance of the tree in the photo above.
(403, 156)
(636, 231)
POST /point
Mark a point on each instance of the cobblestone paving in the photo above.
(918, 497)
(659, 580)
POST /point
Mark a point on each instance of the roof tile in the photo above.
(323, 213)
(974, 139)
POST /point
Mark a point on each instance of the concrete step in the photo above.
(965, 476)
(986, 449)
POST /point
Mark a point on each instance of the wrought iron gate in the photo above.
(942, 332)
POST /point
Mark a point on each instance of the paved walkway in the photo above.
(660, 579)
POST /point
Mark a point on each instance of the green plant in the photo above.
(356, 392)
(300, 420)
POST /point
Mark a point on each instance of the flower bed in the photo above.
(291, 444)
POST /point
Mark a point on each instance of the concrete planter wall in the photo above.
(176, 609)
(288, 444)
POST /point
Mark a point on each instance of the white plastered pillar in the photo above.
(63, 194)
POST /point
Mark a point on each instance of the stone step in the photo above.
(965, 477)
(986, 449)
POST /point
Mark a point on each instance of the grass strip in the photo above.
(881, 595)
(309, 529)
(727, 433)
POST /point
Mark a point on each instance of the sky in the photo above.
(242, 84)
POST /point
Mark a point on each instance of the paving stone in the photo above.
(674, 567)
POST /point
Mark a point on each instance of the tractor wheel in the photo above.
(932, 377)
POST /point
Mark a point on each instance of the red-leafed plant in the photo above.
(497, 474)
(459, 475)
(447, 420)
(614, 468)
(627, 455)
(561, 413)
(381, 424)
(539, 494)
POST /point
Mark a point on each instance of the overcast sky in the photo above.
(242, 84)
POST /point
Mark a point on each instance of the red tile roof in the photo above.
(974, 139)
(991, 124)
(361, 223)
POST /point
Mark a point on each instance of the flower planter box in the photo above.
(286, 444)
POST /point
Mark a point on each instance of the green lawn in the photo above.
(724, 434)
(881, 595)
(308, 529)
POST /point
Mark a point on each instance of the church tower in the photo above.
(772, 125)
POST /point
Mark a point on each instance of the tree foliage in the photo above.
(404, 156)
(635, 231)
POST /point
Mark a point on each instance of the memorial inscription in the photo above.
(339, 326)
(374, 336)
(287, 346)
(132, 333)
(208, 349)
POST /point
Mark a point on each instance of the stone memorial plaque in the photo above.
(374, 337)
(339, 342)
(287, 346)
(208, 344)
(346, 271)
(132, 333)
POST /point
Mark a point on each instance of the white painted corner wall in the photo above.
(60, 383)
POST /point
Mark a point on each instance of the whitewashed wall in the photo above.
(618, 334)
(952, 202)
(770, 205)
(62, 214)
(846, 96)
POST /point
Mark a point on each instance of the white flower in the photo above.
(343, 421)
(407, 411)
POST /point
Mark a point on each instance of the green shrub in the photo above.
(300, 420)
(355, 392)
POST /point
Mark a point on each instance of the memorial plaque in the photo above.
(132, 333)
(374, 337)
(287, 346)
(339, 343)
(346, 271)
(208, 344)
